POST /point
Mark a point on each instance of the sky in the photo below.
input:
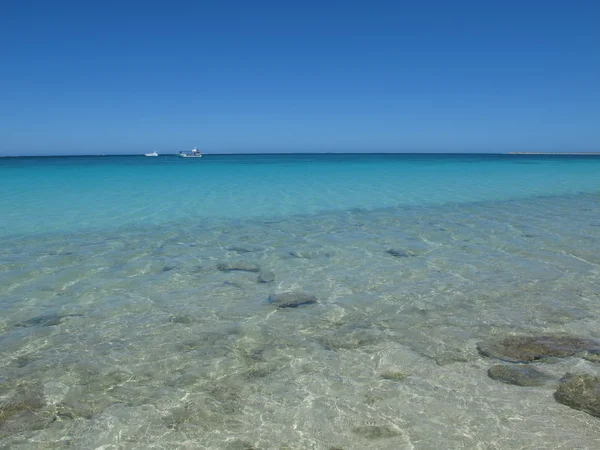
(88, 77)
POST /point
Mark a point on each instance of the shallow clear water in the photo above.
(118, 330)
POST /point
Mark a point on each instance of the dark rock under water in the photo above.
(399, 253)
(580, 391)
(535, 348)
(518, 374)
(238, 265)
(21, 410)
(46, 320)
(377, 431)
(292, 299)
(246, 248)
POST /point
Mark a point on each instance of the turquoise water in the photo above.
(119, 328)
(77, 194)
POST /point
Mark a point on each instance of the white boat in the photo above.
(195, 153)
(151, 154)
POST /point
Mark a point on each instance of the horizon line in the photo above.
(577, 153)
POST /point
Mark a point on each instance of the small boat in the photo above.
(151, 154)
(195, 153)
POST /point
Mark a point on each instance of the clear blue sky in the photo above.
(239, 76)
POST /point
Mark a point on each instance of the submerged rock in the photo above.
(395, 375)
(22, 410)
(247, 248)
(535, 348)
(377, 431)
(21, 417)
(518, 374)
(292, 299)
(47, 320)
(592, 355)
(15, 407)
(580, 391)
(23, 360)
(182, 319)
(266, 276)
(238, 265)
(399, 253)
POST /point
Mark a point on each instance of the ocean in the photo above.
(149, 303)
